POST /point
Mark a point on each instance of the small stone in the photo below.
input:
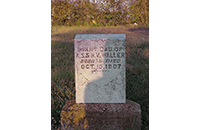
(89, 116)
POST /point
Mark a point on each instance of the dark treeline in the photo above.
(99, 12)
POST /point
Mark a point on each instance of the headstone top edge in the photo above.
(100, 36)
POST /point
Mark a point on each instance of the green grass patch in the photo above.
(62, 66)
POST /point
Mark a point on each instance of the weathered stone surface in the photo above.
(100, 68)
(101, 116)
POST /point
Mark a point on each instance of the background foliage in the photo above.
(99, 12)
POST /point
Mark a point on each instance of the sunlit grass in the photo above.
(62, 66)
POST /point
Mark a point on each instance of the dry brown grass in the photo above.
(136, 34)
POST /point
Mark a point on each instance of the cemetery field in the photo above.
(63, 71)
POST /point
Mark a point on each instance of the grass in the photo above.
(62, 66)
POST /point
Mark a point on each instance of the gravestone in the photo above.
(100, 68)
(100, 79)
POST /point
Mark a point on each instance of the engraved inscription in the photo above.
(91, 58)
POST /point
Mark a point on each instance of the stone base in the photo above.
(101, 116)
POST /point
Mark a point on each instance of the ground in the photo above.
(62, 66)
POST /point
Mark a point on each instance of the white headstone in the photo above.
(100, 75)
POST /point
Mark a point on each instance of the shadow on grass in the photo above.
(137, 70)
